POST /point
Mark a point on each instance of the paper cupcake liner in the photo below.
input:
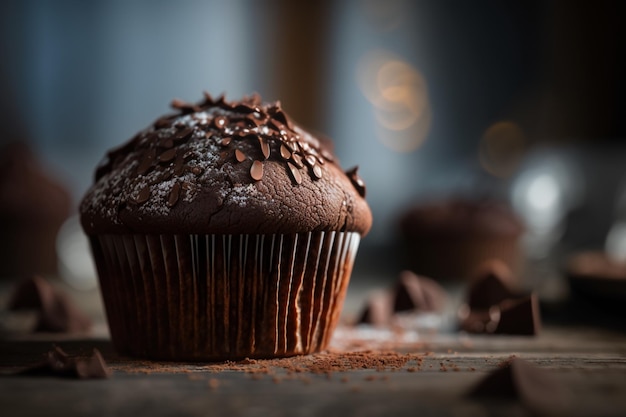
(217, 297)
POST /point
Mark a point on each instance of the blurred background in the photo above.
(521, 101)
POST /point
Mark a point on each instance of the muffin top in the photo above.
(221, 167)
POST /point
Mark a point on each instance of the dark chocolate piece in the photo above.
(490, 286)
(57, 313)
(414, 292)
(357, 181)
(520, 316)
(59, 363)
(378, 310)
(493, 307)
(522, 381)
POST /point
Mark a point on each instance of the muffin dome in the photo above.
(220, 167)
(441, 219)
(450, 238)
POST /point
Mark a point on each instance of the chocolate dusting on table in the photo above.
(229, 125)
(323, 363)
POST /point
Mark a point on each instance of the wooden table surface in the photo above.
(586, 360)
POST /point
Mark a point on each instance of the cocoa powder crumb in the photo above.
(324, 363)
(507, 362)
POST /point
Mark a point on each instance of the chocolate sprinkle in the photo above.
(243, 108)
(220, 121)
(240, 156)
(256, 170)
(295, 173)
(265, 147)
(184, 106)
(166, 143)
(297, 160)
(172, 199)
(285, 152)
(183, 134)
(147, 162)
(179, 165)
(143, 195)
(163, 122)
(310, 160)
(167, 155)
(317, 171)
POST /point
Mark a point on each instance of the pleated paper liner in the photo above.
(219, 297)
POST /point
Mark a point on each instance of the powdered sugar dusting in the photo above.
(240, 194)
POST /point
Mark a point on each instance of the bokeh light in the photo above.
(399, 97)
(502, 147)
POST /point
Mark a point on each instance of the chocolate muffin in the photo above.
(33, 206)
(224, 231)
(449, 239)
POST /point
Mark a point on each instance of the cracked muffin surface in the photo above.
(220, 167)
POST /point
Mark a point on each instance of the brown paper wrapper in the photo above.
(219, 297)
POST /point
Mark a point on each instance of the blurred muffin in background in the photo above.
(448, 239)
(599, 279)
(33, 206)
